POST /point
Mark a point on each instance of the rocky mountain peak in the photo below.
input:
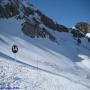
(83, 26)
(35, 24)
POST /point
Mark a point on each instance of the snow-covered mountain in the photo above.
(49, 56)
(34, 23)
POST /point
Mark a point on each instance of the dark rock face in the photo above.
(35, 31)
(28, 11)
(8, 10)
(29, 29)
(83, 26)
(77, 33)
(51, 24)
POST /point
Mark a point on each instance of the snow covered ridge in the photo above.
(88, 35)
(34, 23)
(32, 19)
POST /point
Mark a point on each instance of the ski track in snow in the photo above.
(34, 67)
(39, 69)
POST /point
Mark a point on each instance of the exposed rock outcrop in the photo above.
(83, 26)
(35, 31)
(9, 10)
(51, 24)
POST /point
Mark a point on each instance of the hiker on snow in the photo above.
(78, 41)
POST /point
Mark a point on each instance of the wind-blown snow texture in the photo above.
(41, 64)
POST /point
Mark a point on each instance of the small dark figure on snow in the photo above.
(14, 48)
(88, 39)
(78, 41)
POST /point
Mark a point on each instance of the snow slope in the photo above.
(63, 66)
(41, 64)
(88, 35)
(25, 78)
